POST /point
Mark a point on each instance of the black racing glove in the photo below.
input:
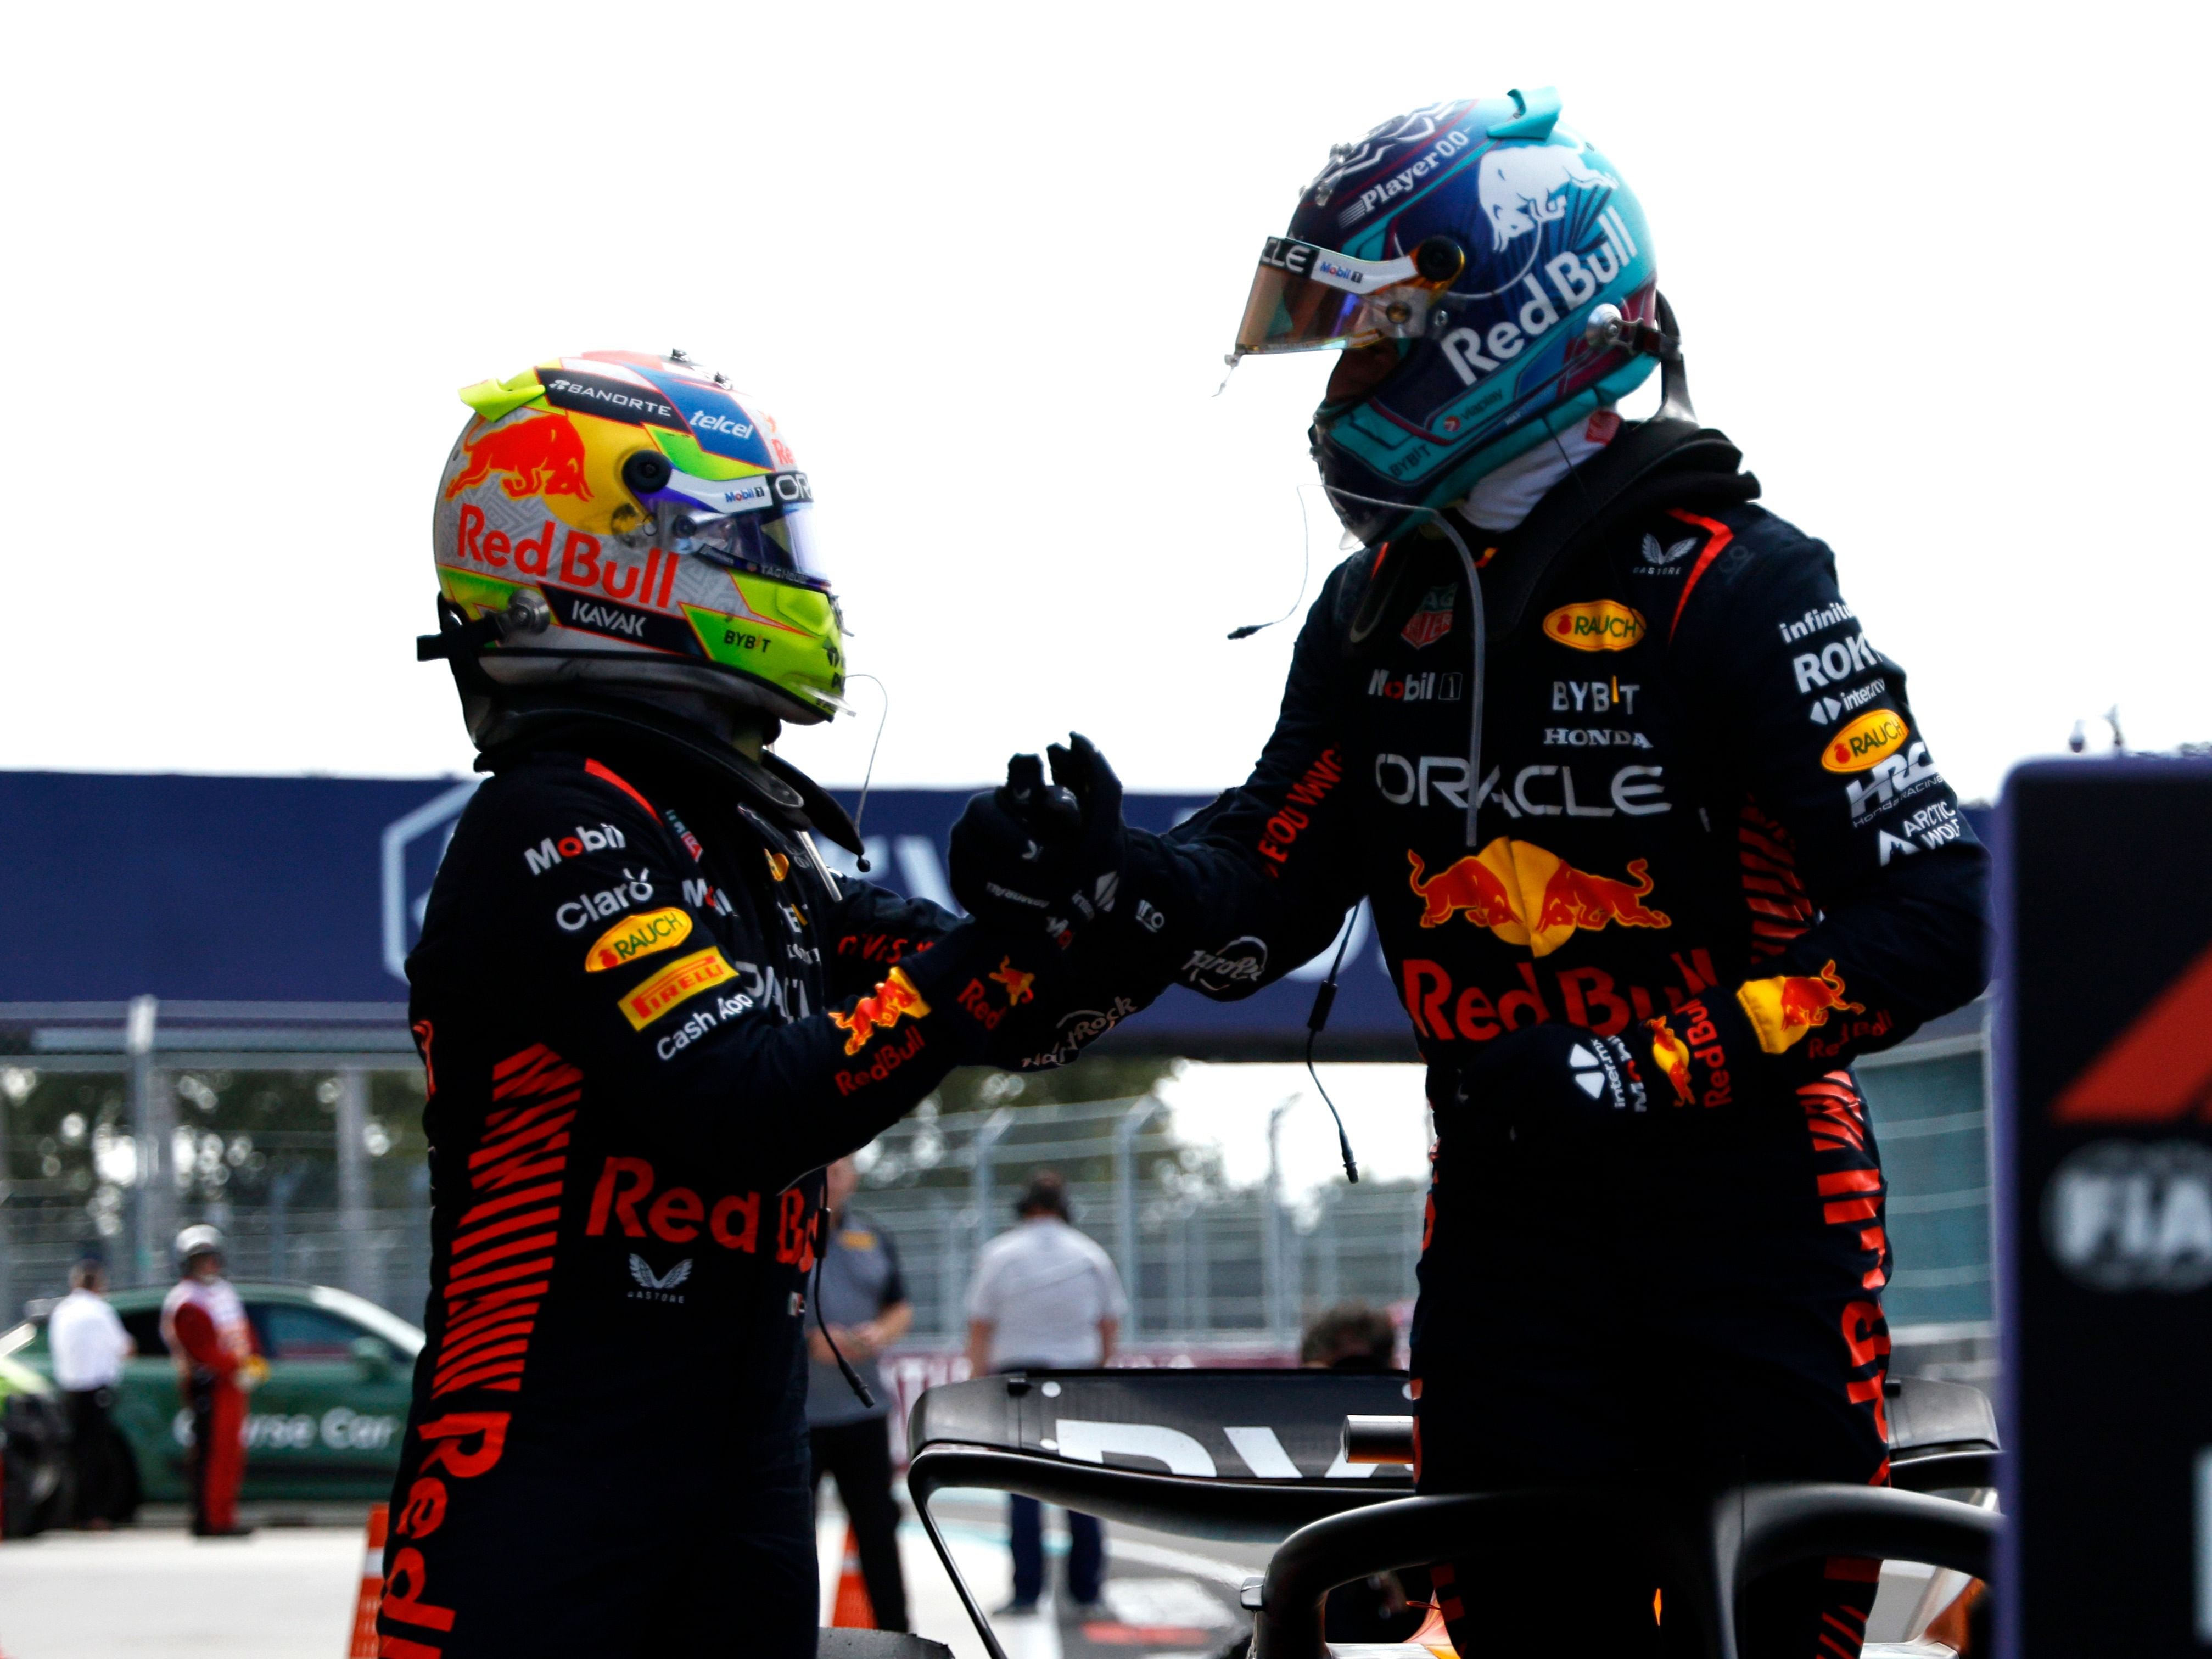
(1101, 841)
(1027, 857)
(1554, 1088)
(1014, 850)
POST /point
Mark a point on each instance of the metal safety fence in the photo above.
(297, 1129)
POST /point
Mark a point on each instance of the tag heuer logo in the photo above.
(1432, 620)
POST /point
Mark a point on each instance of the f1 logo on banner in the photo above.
(2104, 1139)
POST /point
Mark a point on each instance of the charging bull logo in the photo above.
(1526, 896)
(1784, 1009)
(541, 456)
(894, 1000)
(1522, 186)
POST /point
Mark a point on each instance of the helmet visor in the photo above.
(767, 528)
(1305, 298)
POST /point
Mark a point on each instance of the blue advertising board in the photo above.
(310, 889)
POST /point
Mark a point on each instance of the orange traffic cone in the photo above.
(363, 1645)
(852, 1610)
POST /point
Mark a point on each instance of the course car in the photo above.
(1313, 1467)
(326, 1425)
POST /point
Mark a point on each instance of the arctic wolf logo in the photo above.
(641, 1271)
(1523, 186)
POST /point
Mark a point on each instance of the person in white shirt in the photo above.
(1045, 1298)
(89, 1346)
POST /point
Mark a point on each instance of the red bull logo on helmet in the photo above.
(1784, 1009)
(1528, 895)
(894, 999)
(542, 455)
(1522, 186)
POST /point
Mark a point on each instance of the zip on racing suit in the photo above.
(645, 1012)
(1706, 804)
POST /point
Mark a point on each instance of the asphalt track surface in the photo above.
(288, 1592)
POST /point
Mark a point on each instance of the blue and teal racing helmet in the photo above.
(1459, 257)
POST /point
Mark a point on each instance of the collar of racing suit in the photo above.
(771, 785)
(1502, 501)
(1665, 460)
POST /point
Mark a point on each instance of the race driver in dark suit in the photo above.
(648, 1015)
(1654, 846)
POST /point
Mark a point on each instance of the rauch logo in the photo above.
(1595, 625)
(1866, 742)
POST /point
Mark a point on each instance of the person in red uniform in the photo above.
(218, 1364)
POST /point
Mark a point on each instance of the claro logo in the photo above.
(1867, 742)
(1595, 625)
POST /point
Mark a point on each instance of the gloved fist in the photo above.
(1101, 842)
(1556, 1086)
(1014, 850)
(1030, 858)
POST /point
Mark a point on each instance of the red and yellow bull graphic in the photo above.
(635, 936)
(540, 456)
(682, 979)
(1867, 742)
(1595, 625)
(1672, 1055)
(1528, 895)
(1017, 984)
(894, 1000)
(1782, 1010)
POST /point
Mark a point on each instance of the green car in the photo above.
(327, 1423)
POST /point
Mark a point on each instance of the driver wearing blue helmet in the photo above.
(1654, 846)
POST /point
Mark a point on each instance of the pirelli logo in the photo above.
(685, 977)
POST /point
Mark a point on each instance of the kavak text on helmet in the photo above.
(626, 519)
(1468, 254)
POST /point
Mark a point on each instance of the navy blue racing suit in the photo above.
(1705, 802)
(645, 1012)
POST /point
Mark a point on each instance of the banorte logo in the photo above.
(540, 456)
(1528, 895)
(1595, 625)
(1782, 1010)
(1867, 742)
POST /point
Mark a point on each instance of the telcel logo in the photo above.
(1865, 743)
(1595, 625)
(707, 420)
(638, 936)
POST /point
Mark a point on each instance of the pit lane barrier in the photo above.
(1335, 1518)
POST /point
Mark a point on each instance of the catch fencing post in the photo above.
(1274, 1257)
(1125, 1201)
(153, 1127)
(360, 1274)
(978, 1198)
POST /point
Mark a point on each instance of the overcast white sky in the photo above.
(1939, 268)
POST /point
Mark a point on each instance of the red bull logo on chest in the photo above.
(1528, 895)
